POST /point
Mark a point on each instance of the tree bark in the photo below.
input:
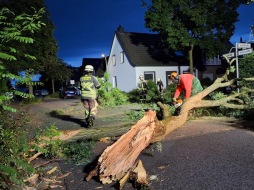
(190, 52)
(53, 85)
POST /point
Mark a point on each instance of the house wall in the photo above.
(124, 73)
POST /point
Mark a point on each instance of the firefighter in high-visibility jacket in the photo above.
(89, 84)
(142, 88)
(185, 82)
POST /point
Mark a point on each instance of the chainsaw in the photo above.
(178, 103)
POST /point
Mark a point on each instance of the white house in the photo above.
(134, 54)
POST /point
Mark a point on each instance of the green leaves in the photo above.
(6, 56)
(12, 32)
(246, 66)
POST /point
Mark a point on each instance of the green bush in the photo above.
(14, 150)
(54, 95)
(168, 93)
(78, 152)
(136, 115)
(31, 100)
(133, 95)
(109, 96)
(153, 94)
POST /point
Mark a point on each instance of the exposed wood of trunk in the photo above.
(118, 158)
(139, 174)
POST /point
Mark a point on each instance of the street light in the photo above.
(106, 62)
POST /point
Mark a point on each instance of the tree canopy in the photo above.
(44, 46)
(183, 24)
(14, 30)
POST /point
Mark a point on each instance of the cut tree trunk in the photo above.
(117, 160)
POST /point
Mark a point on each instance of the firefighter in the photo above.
(187, 82)
(89, 84)
(160, 85)
(142, 88)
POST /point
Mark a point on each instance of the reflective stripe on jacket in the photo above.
(88, 83)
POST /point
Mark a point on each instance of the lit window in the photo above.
(122, 57)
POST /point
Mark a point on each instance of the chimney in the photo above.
(120, 29)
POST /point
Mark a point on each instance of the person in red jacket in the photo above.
(186, 82)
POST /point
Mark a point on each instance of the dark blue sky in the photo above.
(85, 29)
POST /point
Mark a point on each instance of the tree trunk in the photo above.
(53, 85)
(30, 88)
(191, 58)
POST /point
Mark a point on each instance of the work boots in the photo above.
(89, 121)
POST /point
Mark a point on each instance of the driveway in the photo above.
(208, 153)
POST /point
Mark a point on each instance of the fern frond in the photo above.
(30, 56)
(6, 56)
(8, 108)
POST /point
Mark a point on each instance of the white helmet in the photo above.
(89, 68)
(141, 77)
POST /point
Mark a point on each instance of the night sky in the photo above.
(85, 29)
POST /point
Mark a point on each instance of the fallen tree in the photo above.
(117, 161)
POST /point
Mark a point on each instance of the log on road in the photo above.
(120, 157)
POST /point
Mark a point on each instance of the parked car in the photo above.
(42, 92)
(78, 90)
(68, 92)
(37, 92)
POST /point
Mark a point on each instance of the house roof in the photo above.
(142, 49)
(97, 63)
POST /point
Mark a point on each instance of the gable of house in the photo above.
(133, 54)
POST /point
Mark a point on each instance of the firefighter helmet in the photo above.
(173, 75)
(89, 68)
